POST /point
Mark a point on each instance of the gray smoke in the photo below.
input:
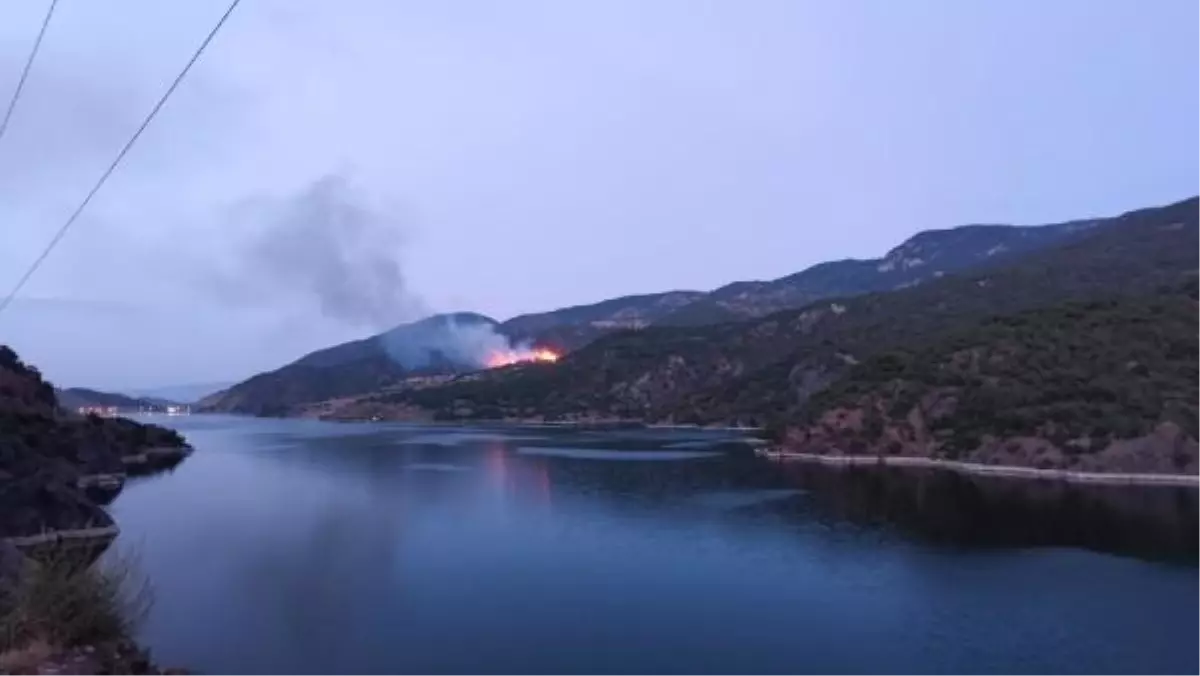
(462, 342)
(325, 246)
(474, 343)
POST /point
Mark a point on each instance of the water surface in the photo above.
(305, 547)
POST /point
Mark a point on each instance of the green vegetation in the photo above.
(735, 360)
(765, 370)
(1092, 371)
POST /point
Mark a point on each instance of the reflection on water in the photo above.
(617, 455)
(973, 511)
(298, 546)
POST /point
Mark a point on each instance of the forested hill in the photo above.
(361, 367)
(924, 257)
(1102, 385)
(766, 369)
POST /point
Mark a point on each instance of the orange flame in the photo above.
(507, 357)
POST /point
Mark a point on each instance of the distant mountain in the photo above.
(685, 355)
(186, 394)
(926, 256)
(73, 398)
(765, 370)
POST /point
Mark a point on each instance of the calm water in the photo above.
(299, 547)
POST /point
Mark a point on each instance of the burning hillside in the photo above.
(498, 358)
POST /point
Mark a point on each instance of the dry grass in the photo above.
(64, 600)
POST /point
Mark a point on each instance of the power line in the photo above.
(120, 156)
(37, 44)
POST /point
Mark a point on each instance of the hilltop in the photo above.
(366, 365)
(925, 257)
(762, 370)
(386, 362)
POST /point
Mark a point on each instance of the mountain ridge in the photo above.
(927, 255)
(751, 372)
(713, 369)
(942, 253)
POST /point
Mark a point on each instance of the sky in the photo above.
(330, 169)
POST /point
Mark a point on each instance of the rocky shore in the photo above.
(58, 470)
(1005, 471)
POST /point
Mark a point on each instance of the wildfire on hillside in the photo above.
(506, 357)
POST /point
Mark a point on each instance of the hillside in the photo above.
(1094, 386)
(439, 344)
(924, 257)
(388, 360)
(763, 370)
(573, 327)
(47, 455)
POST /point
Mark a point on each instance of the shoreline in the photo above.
(602, 423)
(1003, 471)
(94, 533)
(110, 480)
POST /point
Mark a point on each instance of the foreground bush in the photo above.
(63, 601)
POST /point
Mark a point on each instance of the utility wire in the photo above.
(120, 156)
(12, 104)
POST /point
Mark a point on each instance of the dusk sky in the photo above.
(330, 169)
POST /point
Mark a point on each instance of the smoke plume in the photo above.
(459, 340)
(326, 247)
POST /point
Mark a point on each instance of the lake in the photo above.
(303, 547)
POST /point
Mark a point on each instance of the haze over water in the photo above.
(303, 547)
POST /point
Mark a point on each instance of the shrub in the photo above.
(63, 599)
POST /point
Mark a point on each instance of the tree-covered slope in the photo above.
(1067, 386)
(766, 369)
